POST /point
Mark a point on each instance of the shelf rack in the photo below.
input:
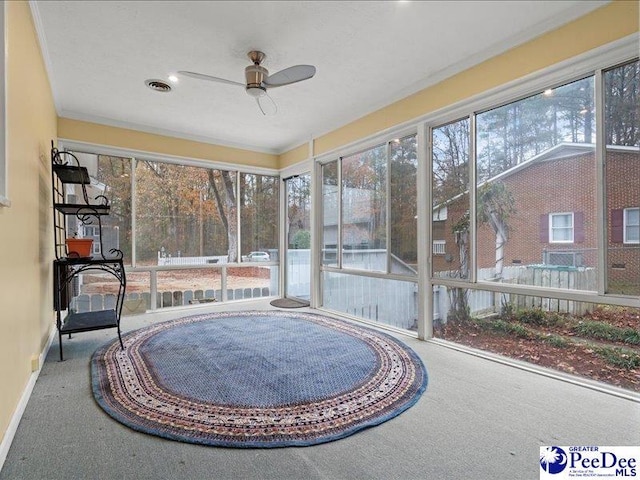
(66, 171)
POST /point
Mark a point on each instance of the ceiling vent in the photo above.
(158, 85)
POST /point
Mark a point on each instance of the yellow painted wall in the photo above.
(294, 156)
(604, 25)
(149, 142)
(26, 318)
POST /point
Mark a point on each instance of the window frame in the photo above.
(373, 142)
(93, 232)
(138, 156)
(572, 227)
(625, 226)
(439, 247)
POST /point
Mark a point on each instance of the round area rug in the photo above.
(256, 379)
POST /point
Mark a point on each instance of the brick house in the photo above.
(555, 215)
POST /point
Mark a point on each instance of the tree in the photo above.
(226, 204)
(495, 204)
(259, 202)
(364, 180)
(115, 173)
(458, 297)
(298, 209)
(622, 105)
(301, 240)
(403, 171)
(450, 161)
(514, 133)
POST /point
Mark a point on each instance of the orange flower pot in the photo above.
(79, 247)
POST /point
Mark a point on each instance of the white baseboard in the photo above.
(22, 404)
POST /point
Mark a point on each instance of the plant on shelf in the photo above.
(78, 247)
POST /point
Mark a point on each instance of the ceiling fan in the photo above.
(258, 80)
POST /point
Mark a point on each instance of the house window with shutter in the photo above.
(561, 228)
(94, 233)
(631, 225)
(625, 225)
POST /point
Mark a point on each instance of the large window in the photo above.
(533, 217)
(450, 205)
(186, 229)
(364, 212)
(298, 232)
(184, 212)
(403, 207)
(535, 191)
(330, 213)
(622, 177)
(369, 208)
(259, 201)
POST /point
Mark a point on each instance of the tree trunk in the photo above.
(501, 238)
(459, 310)
(228, 215)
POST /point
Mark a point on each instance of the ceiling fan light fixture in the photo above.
(258, 81)
(254, 75)
(256, 91)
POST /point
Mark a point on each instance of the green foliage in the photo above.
(606, 331)
(509, 328)
(620, 357)
(556, 340)
(301, 239)
(534, 316)
(461, 225)
(460, 314)
(495, 199)
(507, 310)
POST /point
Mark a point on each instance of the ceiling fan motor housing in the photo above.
(254, 75)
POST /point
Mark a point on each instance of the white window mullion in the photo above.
(238, 225)
(601, 188)
(388, 207)
(133, 212)
(424, 149)
(339, 221)
(473, 224)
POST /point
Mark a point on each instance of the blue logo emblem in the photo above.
(553, 460)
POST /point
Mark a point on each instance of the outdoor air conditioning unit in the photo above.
(563, 259)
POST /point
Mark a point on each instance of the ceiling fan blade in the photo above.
(266, 104)
(290, 75)
(201, 76)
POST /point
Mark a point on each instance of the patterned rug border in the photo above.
(99, 382)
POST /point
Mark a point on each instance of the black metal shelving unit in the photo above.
(66, 171)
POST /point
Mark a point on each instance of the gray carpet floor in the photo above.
(478, 419)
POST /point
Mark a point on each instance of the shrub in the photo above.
(606, 331)
(509, 328)
(534, 316)
(620, 357)
(556, 341)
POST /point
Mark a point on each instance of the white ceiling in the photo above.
(367, 54)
